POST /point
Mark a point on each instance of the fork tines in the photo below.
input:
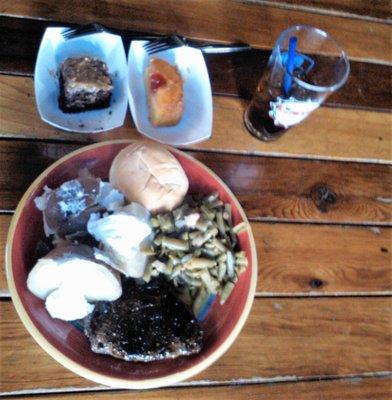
(88, 29)
(163, 43)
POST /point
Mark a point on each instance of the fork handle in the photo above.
(222, 49)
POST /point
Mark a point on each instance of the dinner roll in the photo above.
(150, 175)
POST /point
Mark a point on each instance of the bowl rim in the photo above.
(84, 371)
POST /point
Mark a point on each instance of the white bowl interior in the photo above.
(54, 49)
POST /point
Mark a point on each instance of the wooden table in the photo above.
(319, 199)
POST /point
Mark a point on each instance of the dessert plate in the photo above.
(196, 122)
(54, 49)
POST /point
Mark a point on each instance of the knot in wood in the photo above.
(316, 283)
(323, 197)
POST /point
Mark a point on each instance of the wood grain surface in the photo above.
(371, 9)
(268, 188)
(327, 133)
(319, 199)
(359, 264)
(343, 389)
(283, 339)
(201, 18)
(368, 86)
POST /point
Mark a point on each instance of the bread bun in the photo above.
(150, 175)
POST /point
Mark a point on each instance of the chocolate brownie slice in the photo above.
(85, 85)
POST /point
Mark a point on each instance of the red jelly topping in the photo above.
(156, 81)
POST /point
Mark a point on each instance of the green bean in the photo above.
(230, 263)
(197, 253)
(240, 254)
(240, 227)
(222, 258)
(174, 244)
(154, 222)
(154, 273)
(207, 212)
(211, 284)
(208, 252)
(221, 271)
(227, 213)
(158, 239)
(211, 197)
(226, 292)
(186, 258)
(165, 222)
(158, 265)
(220, 223)
(176, 271)
(147, 273)
(148, 251)
(200, 240)
(214, 272)
(241, 262)
(178, 212)
(203, 225)
(169, 268)
(216, 204)
(199, 263)
(175, 260)
(184, 235)
(218, 245)
(191, 281)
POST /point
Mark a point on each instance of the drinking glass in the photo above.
(305, 67)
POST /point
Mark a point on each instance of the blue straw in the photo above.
(290, 66)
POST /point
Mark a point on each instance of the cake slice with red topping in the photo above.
(164, 93)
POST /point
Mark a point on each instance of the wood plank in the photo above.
(269, 188)
(344, 389)
(283, 339)
(201, 19)
(344, 260)
(340, 134)
(374, 9)
(236, 74)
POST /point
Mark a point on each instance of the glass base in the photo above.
(261, 133)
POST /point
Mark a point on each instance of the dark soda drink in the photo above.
(258, 118)
(259, 122)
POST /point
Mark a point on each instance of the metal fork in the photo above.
(88, 29)
(163, 43)
(173, 41)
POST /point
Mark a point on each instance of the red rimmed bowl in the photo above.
(68, 345)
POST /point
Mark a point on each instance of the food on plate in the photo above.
(121, 234)
(196, 247)
(149, 175)
(164, 87)
(134, 260)
(67, 209)
(147, 323)
(85, 84)
(69, 278)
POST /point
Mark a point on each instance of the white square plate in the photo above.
(52, 52)
(196, 122)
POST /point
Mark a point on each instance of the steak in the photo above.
(146, 323)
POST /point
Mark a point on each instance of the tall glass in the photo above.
(305, 67)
